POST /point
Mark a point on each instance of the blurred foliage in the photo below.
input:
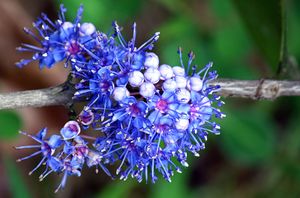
(293, 16)
(16, 183)
(10, 124)
(102, 13)
(248, 140)
(258, 152)
(176, 189)
(123, 189)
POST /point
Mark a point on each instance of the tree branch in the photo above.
(59, 95)
(62, 94)
(258, 89)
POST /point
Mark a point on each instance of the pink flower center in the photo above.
(162, 105)
(194, 111)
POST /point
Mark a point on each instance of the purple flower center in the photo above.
(86, 118)
(105, 85)
(134, 110)
(130, 145)
(46, 149)
(81, 151)
(161, 128)
(73, 48)
(73, 127)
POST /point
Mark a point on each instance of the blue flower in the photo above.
(132, 149)
(95, 158)
(70, 166)
(131, 113)
(86, 117)
(99, 87)
(134, 56)
(78, 148)
(162, 105)
(157, 159)
(45, 147)
(58, 40)
(145, 117)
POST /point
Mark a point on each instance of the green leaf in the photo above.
(117, 189)
(10, 124)
(248, 136)
(16, 183)
(263, 20)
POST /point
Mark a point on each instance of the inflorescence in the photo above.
(145, 116)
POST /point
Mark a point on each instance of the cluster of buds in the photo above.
(143, 115)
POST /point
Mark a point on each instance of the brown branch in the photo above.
(62, 94)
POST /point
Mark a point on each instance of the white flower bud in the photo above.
(180, 81)
(166, 71)
(152, 75)
(87, 29)
(194, 84)
(66, 25)
(169, 85)
(183, 95)
(178, 71)
(147, 89)
(120, 93)
(182, 124)
(136, 78)
(151, 60)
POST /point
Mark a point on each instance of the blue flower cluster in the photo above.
(145, 116)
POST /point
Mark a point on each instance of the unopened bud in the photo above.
(152, 75)
(87, 29)
(120, 93)
(183, 95)
(70, 130)
(66, 25)
(182, 124)
(195, 84)
(166, 71)
(178, 71)
(151, 60)
(136, 78)
(169, 85)
(147, 90)
(180, 81)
